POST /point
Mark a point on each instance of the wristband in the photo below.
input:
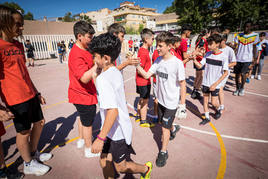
(102, 139)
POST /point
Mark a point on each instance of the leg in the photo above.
(261, 64)
(200, 79)
(221, 96)
(107, 166)
(35, 134)
(155, 107)
(143, 110)
(2, 158)
(130, 167)
(165, 138)
(205, 103)
(214, 101)
(22, 141)
(87, 134)
(80, 128)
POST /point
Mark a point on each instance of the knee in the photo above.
(122, 168)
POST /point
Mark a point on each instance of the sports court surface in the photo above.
(235, 146)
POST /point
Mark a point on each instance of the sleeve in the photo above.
(257, 40)
(79, 67)
(107, 97)
(232, 57)
(225, 63)
(181, 71)
(153, 68)
(203, 61)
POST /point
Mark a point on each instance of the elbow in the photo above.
(83, 80)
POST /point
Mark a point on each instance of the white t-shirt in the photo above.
(214, 69)
(111, 94)
(259, 45)
(168, 75)
(245, 44)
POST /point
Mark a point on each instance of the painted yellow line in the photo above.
(222, 167)
(44, 108)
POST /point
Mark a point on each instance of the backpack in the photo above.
(264, 50)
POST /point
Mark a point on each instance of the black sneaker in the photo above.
(6, 173)
(173, 133)
(194, 94)
(218, 114)
(204, 121)
(161, 159)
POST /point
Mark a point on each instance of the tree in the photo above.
(198, 13)
(141, 27)
(68, 17)
(130, 30)
(170, 9)
(28, 16)
(85, 18)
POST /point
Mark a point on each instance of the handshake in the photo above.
(132, 59)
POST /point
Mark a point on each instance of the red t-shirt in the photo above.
(79, 62)
(130, 43)
(145, 63)
(154, 57)
(199, 58)
(182, 48)
(15, 84)
(174, 53)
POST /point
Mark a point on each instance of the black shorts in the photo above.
(241, 67)
(26, 113)
(166, 116)
(30, 55)
(119, 149)
(197, 69)
(87, 113)
(144, 91)
(206, 90)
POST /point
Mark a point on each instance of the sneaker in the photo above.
(194, 94)
(42, 157)
(35, 168)
(145, 123)
(236, 93)
(252, 76)
(259, 77)
(247, 80)
(204, 121)
(161, 159)
(147, 175)
(173, 133)
(89, 154)
(217, 114)
(137, 118)
(80, 143)
(241, 92)
(8, 174)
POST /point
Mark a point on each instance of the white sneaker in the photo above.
(80, 143)
(89, 154)
(35, 168)
(43, 157)
(259, 77)
(252, 76)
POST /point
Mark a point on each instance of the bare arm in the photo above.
(129, 61)
(197, 64)
(232, 64)
(89, 75)
(185, 57)
(183, 91)
(143, 73)
(213, 87)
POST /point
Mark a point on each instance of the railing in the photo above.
(46, 45)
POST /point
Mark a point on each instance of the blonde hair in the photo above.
(7, 21)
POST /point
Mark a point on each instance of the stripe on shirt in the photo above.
(213, 62)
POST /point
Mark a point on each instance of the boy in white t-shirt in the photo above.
(231, 60)
(117, 127)
(216, 70)
(170, 79)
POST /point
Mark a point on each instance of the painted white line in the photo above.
(211, 133)
(129, 79)
(256, 94)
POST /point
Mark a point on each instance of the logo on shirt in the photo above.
(162, 75)
(246, 40)
(13, 52)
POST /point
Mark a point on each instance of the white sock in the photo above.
(222, 107)
(207, 115)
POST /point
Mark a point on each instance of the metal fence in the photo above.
(46, 45)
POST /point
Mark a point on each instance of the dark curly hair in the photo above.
(214, 38)
(106, 44)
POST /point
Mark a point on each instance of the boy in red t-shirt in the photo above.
(82, 91)
(182, 49)
(19, 94)
(143, 86)
(175, 44)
